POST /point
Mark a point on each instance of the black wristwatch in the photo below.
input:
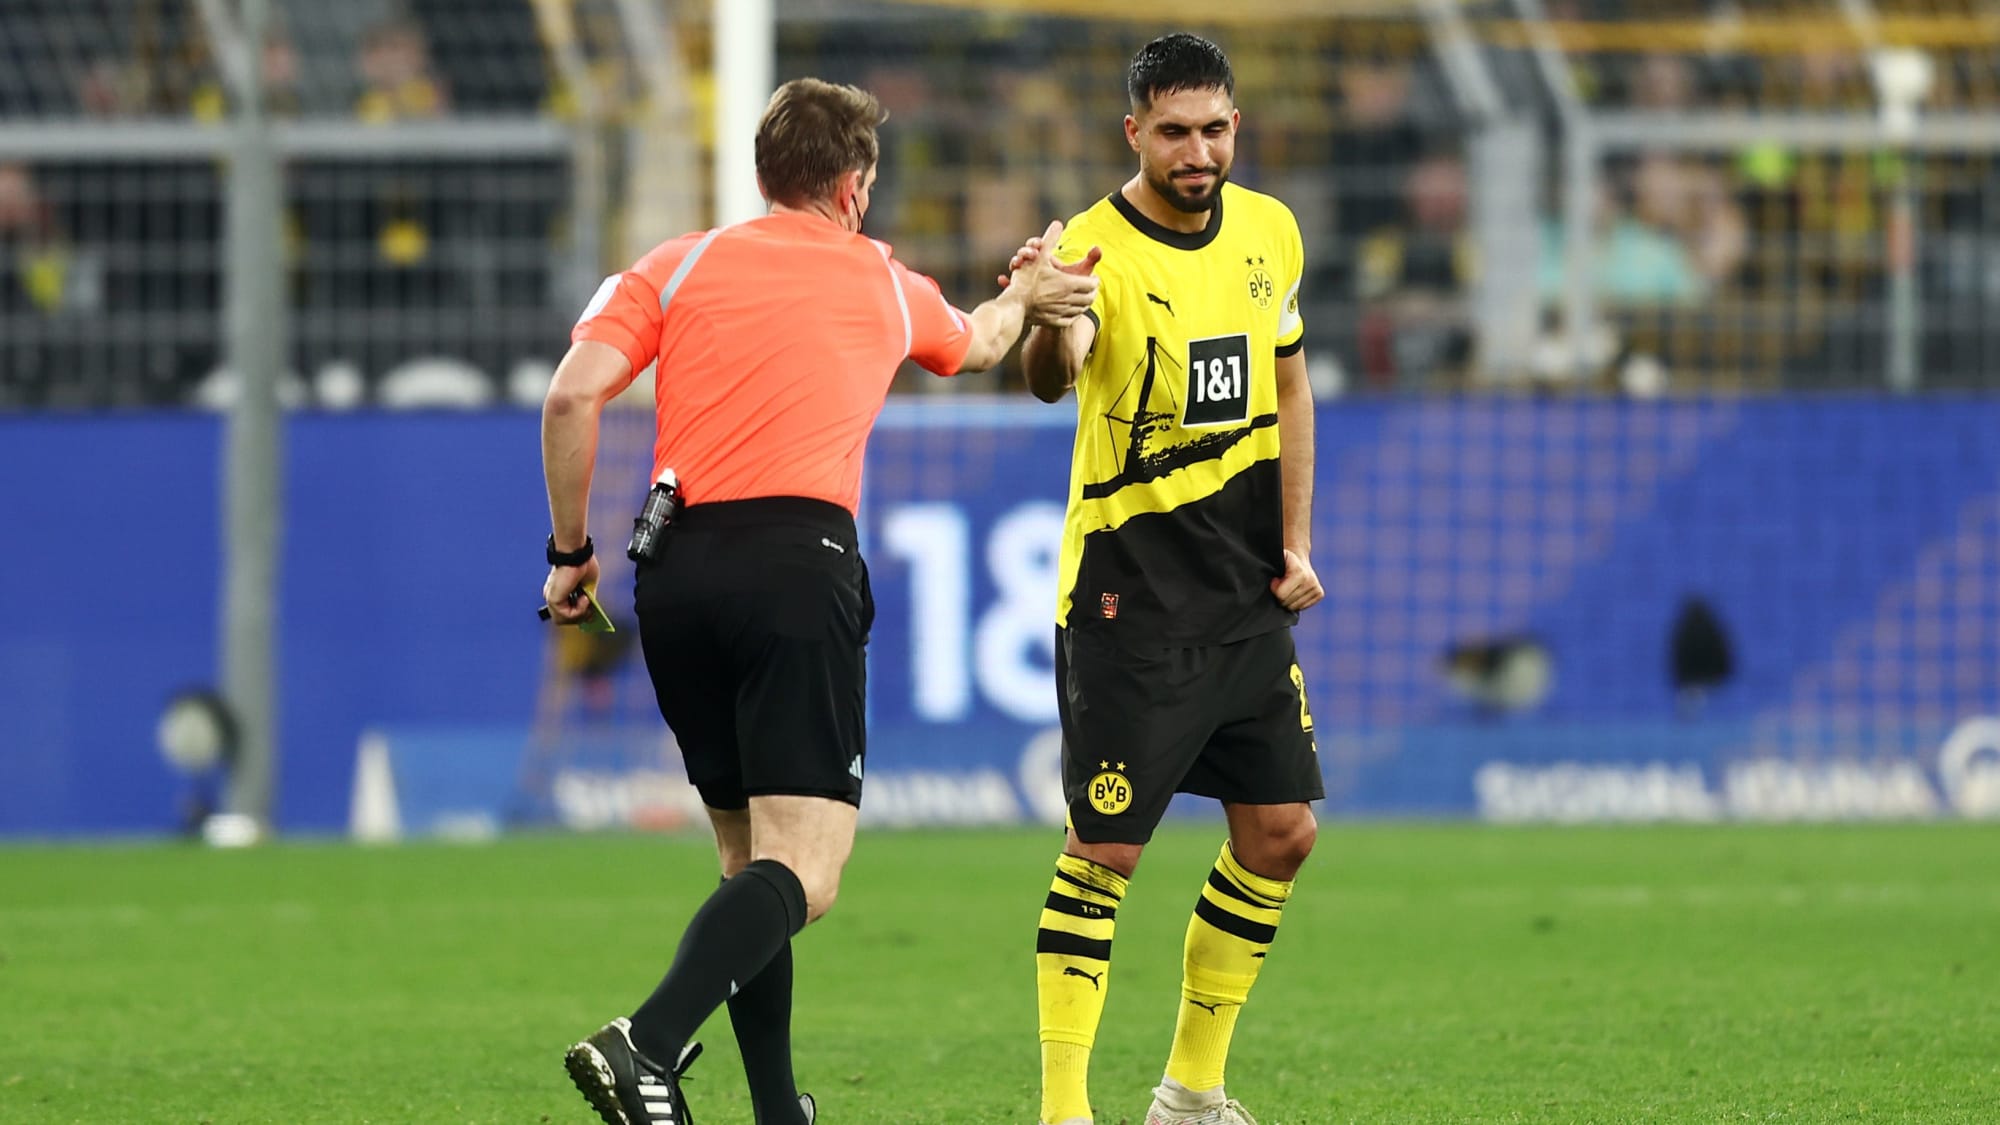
(577, 557)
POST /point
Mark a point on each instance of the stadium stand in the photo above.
(1731, 268)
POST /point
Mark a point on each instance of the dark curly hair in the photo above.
(1177, 62)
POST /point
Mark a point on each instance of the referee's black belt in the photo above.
(767, 511)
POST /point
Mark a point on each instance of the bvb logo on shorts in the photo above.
(1110, 792)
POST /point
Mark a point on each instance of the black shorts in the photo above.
(1227, 721)
(754, 618)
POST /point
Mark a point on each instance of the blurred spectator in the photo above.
(917, 146)
(278, 75)
(1413, 278)
(1663, 83)
(1429, 254)
(1029, 164)
(1634, 263)
(1823, 79)
(56, 55)
(110, 87)
(1374, 144)
(1819, 214)
(39, 270)
(999, 122)
(488, 55)
(30, 273)
(394, 204)
(444, 256)
(397, 81)
(1692, 202)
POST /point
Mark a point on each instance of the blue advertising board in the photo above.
(1848, 548)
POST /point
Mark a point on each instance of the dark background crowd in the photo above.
(1746, 269)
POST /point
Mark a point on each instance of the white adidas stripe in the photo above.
(657, 1099)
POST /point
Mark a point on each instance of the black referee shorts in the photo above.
(1141, 723)
(754, 619)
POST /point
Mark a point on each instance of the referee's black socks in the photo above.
(746, 924)
(761, 1014)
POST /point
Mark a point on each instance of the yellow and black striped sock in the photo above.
(1072, 970)
(1234, 921)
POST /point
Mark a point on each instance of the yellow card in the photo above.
(597, 621)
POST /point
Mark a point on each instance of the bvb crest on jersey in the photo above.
(1262, 289)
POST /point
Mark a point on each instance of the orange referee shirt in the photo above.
(776, 340)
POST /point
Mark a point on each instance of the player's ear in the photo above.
(1132, 132)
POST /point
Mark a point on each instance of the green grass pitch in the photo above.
(1424, 973)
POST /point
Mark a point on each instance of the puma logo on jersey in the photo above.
(1096, 979)
(1163, 303)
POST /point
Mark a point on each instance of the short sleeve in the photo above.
(940, 335)
(624, 313)
(1292, 326)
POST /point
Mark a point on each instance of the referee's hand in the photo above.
(1298, 588)
(563, 592)
(1055, 295)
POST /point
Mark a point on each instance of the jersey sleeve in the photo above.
(624, 313)
(1292, 326)
(940, 335)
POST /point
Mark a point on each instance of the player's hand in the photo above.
(1056, 294)
(1032, 251)
(563, 592)
(1298, 588)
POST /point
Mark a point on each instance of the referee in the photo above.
(1185, 561)
(773, 343)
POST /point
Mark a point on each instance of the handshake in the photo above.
(1053, 295)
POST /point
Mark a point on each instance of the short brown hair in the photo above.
(813, 133)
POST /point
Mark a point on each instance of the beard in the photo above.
(1193, 201)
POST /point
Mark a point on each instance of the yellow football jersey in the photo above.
(1175, 521)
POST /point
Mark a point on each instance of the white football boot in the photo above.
(1175, 1104)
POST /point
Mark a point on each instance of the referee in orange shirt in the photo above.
(775, 341)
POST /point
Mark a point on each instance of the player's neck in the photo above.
(1140, 194)
(818, 209)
